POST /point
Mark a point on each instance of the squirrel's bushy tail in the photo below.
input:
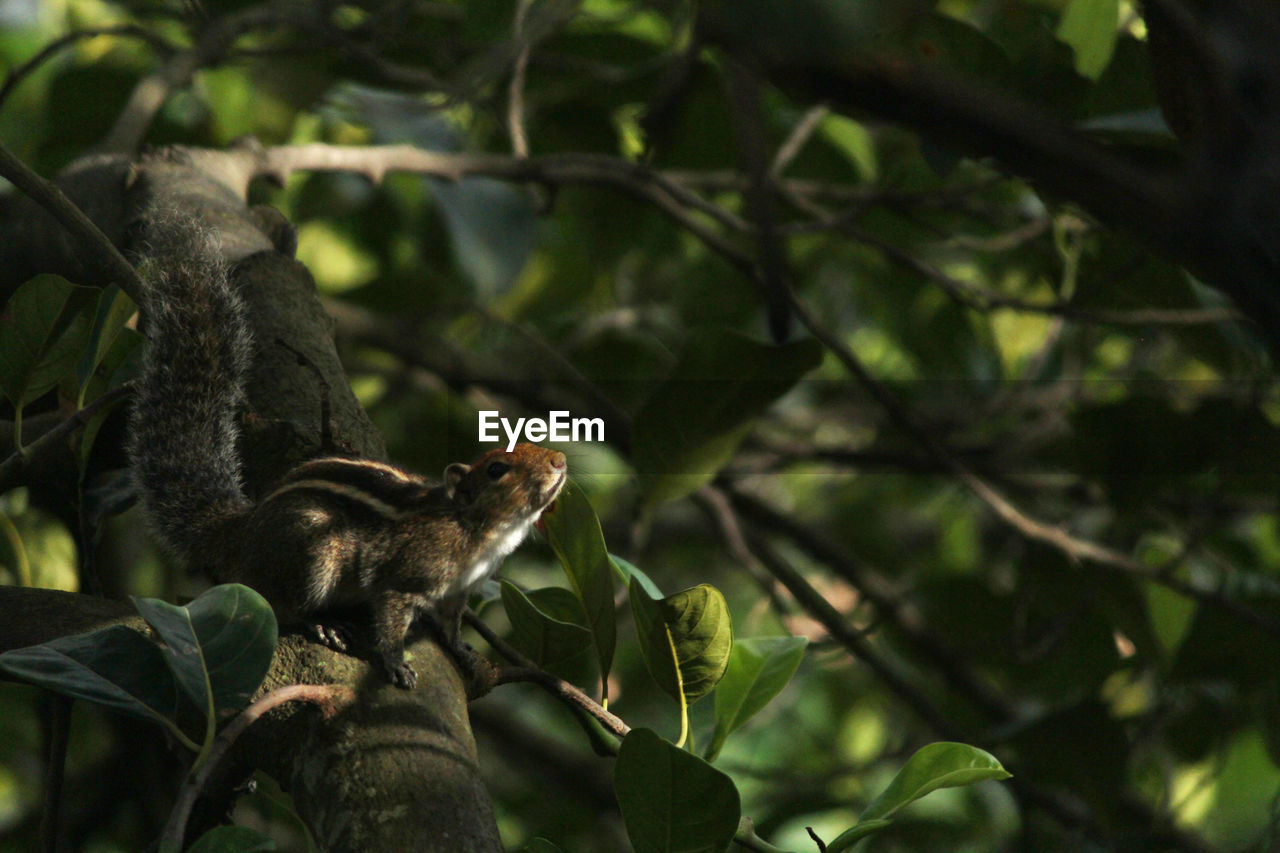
(184, 424)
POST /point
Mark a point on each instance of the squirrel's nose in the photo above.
(558, 461)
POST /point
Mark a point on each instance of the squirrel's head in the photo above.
(504, 486)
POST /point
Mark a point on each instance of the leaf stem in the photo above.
(746, 837)
(17, 431)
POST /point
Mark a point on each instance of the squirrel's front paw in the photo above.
(335, 635)
(401, 674)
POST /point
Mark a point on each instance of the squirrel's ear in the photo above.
(453, 476)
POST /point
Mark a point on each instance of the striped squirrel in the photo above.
(336, 532)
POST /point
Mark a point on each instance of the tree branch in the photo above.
(329, 696)
(527, 670)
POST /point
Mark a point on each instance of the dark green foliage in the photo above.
(1013, 334)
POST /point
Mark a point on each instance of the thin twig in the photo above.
(515, 93)
(668, 196)
(329, 695)
(527, 670)
(904, 619)
(19, 462)
(800, 135)
(716, 505)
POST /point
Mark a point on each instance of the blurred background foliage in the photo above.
(1009, 339)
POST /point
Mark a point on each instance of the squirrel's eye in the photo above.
(497, 469)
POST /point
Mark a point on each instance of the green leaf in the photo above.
(574, 532)
(758, 670)
(686, 639)
(938, 765)
(1091, 28)
(693, 422)
(543, 636)
(673, 802)
(219, 646)
(233, 839)
(116, 667)
(43, 331)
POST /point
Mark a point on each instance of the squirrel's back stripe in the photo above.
(339, 491)
(377, 479)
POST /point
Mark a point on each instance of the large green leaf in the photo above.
(43, 332)
(574, 532)
(219, 646)
(758, 670)
(694, 420)
(673, 802)
(540, 628)
(938, 765)
(686, 639)
(116, 667)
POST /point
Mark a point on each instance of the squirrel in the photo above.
(336, 532)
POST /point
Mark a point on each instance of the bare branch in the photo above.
(527, 670)
(800, 136)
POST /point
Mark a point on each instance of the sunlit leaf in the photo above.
(685, 639)
(938, 765)
(627, 571)
(758, 670)
(1091, 27)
